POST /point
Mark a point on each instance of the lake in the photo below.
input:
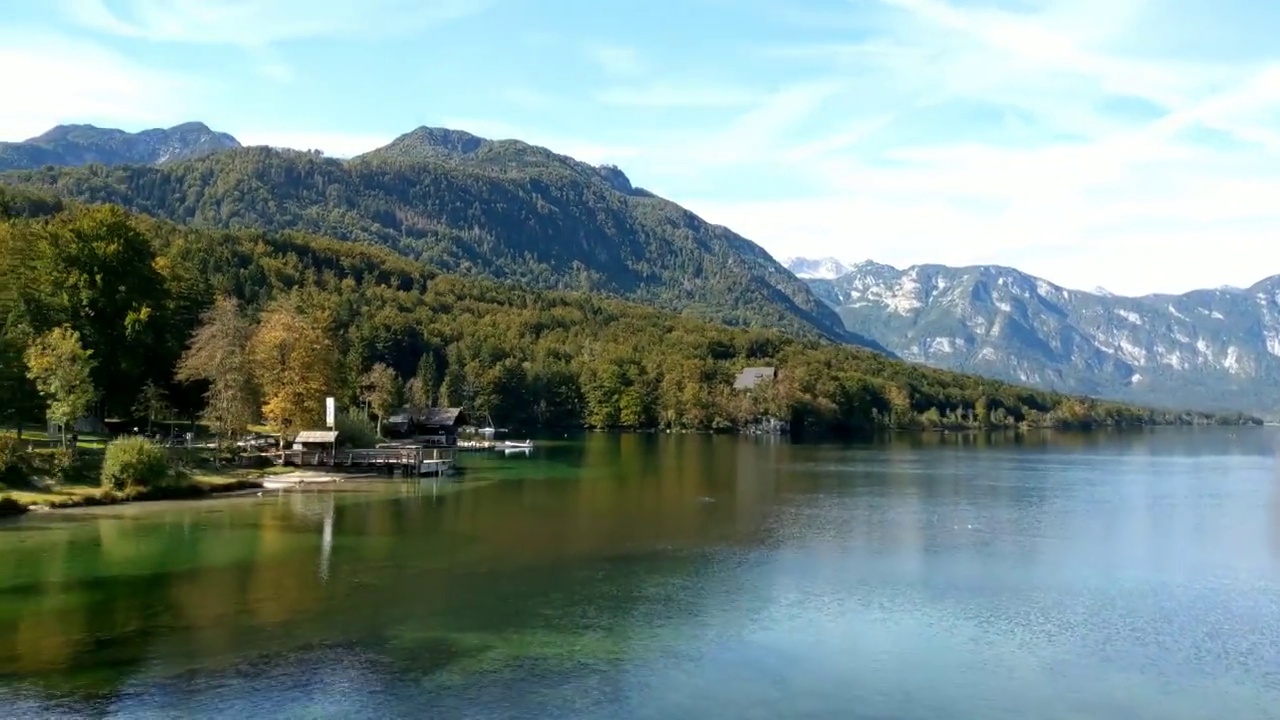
(1132, 575)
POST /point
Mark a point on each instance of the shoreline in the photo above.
(20, 502)
(17, 503)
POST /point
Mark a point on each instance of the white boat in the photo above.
(516, 445)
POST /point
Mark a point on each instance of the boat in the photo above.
(516, 445)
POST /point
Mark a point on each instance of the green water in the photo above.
(1107, 576)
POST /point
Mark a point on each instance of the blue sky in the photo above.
(1126, 143)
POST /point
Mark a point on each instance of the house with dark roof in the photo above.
(433, 426)
(753, 376)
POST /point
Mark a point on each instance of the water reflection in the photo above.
(599, 561)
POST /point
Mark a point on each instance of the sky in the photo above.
(1129, 144)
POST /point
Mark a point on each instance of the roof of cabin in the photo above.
(431, 416)
(316, 436)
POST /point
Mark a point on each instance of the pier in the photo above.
(318, 449)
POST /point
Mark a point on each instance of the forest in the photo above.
(124, 316)
(502, 210)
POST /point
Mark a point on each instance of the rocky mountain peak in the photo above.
(82, 144)
(827, 268)
(1205, 348)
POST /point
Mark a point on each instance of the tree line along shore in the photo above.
(110, 314)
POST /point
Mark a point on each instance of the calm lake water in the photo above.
(1105, 576)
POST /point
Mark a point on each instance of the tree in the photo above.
(420, 391)
(152, 403)
(295, 363)
(218, 353)
(94, 271)
(18, 398)
(61, 369)
(380, 388)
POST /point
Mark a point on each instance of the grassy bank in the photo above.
(204, 483)
(44, 484)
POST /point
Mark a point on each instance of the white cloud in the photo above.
(254, 23)
(1128, 205)
(761, 136)
(333, 144)
(56, 81)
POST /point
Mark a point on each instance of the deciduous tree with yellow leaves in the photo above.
(295, 363)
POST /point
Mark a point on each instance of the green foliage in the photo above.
(60, 368)
(62, 466)
(15, 463)
(218, 355)
(22, 203)
(94, 271)
(134, 462)
(504, 210)
(328, 311)
(381, 389)
(355, 430)
(10, 507)
(152, 404)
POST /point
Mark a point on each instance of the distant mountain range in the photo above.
(458, 202)
(517, 212)
(76, 145)
(1212, 349)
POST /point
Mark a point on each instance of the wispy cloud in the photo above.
(619, 60)
(672, 95)
(73, 81)
(1077, 138)
(263, 22)
(334, 144)
(1110, 191)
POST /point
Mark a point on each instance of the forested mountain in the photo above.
(75, 145)
(502, 209)
(131, 291)
(1211, 349)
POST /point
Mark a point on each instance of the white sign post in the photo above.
(330, 412)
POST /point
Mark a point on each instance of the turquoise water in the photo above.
(1106, 576)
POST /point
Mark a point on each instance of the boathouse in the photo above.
(316, 440)
(432, 427)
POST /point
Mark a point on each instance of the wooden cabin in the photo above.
(431, 427)
(315, 440)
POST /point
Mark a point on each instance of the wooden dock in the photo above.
(406, 461)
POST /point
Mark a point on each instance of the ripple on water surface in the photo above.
(700, 578)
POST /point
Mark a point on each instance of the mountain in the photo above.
(1211, 349)
(525, 357)
(821, 269)
(465, 204)
(76, 145)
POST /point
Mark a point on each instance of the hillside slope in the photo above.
(525, 357)
(463, 204)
